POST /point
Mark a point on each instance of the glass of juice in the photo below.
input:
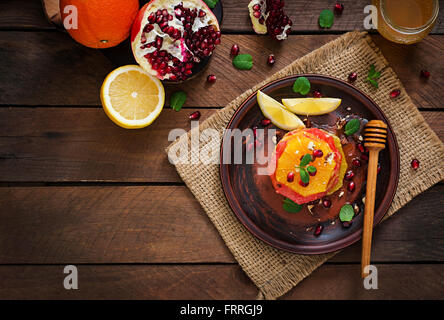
(406, 21)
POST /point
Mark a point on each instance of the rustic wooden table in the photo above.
(76, 189)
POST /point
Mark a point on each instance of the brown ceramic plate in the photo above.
(259, 208)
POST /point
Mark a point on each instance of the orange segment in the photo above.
(343, 168)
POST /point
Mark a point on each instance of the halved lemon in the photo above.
(131, 97)
(277, 113)
(311, 106)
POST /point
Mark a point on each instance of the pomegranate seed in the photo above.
(303, 184)
(255, 131)
(351, 186)
(265, 122)
(379, 168)
(395, 93)
(425, 74)
(217, 41)
(256, 7)
(326, 203)
(415, 164)
(271, 60)
(257, 14)
(364, 157)
(361, 147)
(201, 13)
(356, 162)
(318, 230)
(195, 115)
(211, 78)
(290, 177)
(349, 175)
(352, 77)
(339, 7)
(250, 146)
(317, 153)
(346, 224)
(317, 94)
(313, 173)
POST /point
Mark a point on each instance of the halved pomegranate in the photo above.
(169, 37)
(268, 16)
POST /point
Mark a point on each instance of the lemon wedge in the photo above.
(311, 106)
(277, 113)
(131, 97)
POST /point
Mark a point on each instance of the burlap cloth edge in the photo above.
(292, 267)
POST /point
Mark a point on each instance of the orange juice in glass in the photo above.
(406, 21)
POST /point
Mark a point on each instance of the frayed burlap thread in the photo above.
(273, 271)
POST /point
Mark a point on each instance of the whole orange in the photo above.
(99, 23)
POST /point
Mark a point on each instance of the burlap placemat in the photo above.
(274, 271)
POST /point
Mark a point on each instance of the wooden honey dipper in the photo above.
(375, 137)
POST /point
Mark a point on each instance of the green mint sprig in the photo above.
(291, 206)
(347, 213)
(302, 86)
(326, 18)
(177, 100)
(304, 168)
(211, 3)
(373, 76)
(243, 61)
(352, 127)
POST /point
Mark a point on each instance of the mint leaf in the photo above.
(326, 18)
(177, 100)
(352, 127)
(305, 178)
(243, 61)
(211, 3)
(347, 213)
(305, 160)
(291, 206)
(311, 169)
(301, 85)
(373, 75)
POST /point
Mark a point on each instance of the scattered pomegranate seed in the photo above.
(349, 175)
(351, 186)
(415, 164)
(271, 60)
(395, 93)
(317, 94)
(195, 115)
(379, 168)
(326, 203)
(313, 173)
(364, 157)
(265, 122)
(318, 230)
(317, 153)
(290, 176)
(211, 78)
(339, 7)
(356, 162)
(361, 147)
(425, 74)
(346, 224)
(352, 77)
(234, 50)
(303, 183)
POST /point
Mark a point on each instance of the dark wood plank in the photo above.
(82, 144)
(23, 14)
(49, 68)
(214, 282)
(303, 13)
(57, 225)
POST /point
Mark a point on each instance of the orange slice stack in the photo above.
(330, 167)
